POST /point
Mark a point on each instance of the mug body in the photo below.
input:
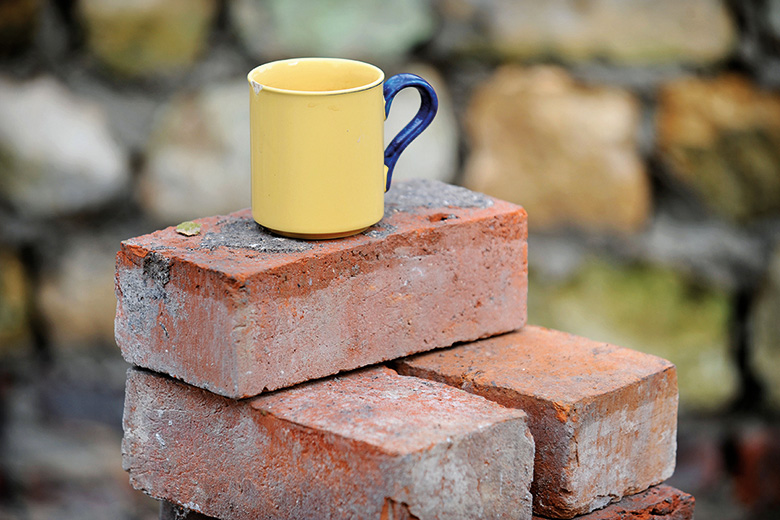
(316, 130)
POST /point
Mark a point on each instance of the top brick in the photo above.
(238, 311)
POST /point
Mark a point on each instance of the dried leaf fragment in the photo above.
(188, 228)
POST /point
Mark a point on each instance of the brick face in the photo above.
(363, 445)
(238, 311)
(657, 503)
(604, 418)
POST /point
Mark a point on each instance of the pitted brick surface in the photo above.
(604, 418)
(657, 503)
(247, 234)
(361, 445)
(238, 311)
(409, 196)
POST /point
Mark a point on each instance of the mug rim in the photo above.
(259, 86)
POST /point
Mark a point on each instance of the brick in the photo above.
(370, 444)
(756, 466)
(604, 418)
(238, 311)
(657, 503)
(171, 511)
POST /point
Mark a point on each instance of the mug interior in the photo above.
(325, 75)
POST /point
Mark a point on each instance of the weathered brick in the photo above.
(756, 466)
(370, 444)
(657, 503)
(171, 511)
(604, 418)
(238, 311)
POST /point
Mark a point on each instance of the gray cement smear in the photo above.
(381, 229)
(157, 268)
(410, 195)
(248, 234)
(141, 294)
(403, 197)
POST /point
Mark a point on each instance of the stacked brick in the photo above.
(259, 392)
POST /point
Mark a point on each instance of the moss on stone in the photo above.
(765, 347)
(147, 38)
(13, 302)
(650, 309)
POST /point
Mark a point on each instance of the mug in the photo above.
(316, 132)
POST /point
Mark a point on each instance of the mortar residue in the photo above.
(247, 234)
(404, 197)
(419, 193)
(157, 267)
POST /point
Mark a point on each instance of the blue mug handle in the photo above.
(429, 104)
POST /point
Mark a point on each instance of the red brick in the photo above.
(657, 503)
(363, 445)
(171, 511)
(604, 418)
(238, 311)
(756, 449)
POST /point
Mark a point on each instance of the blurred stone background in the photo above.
(643, 138)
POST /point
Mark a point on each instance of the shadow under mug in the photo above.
(317, 137)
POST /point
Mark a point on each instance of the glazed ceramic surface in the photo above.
(318, 168)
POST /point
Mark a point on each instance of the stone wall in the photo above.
(642, 137)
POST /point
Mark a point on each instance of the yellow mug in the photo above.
(316, 130)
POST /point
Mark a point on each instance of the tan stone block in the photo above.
(627, 32)
(198, 160)
(149, 36)
(566, 152)
(720, 137)
(76, 295)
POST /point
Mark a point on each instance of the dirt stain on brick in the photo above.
(157, 268)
